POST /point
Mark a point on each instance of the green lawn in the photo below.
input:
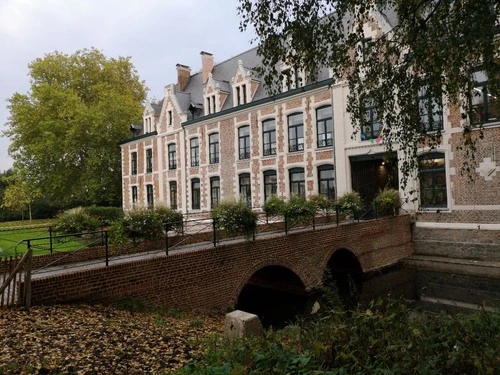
(12, 235)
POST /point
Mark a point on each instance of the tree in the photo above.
(65, 130)
(20, 193)
(431, 48)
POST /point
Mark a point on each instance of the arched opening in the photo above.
(275, 294)
(346, 275)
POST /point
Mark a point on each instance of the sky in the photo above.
(156, 34)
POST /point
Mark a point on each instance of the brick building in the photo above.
(217, 134)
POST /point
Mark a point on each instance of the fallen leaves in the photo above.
(98, 339)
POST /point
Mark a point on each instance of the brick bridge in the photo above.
(215, 277)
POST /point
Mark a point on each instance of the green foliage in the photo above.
(141, 223)
(145, 224)
(321, 202)
(350, 203)
(235, 218)
(390, 70)
(387, 202)
(75, 220)
(386, 338)
(299, 210)
(173, 219)
(105, 215)
(65, 131)
(274, 206)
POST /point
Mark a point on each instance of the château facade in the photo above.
(217, 134)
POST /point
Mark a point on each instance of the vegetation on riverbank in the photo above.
(386, 338)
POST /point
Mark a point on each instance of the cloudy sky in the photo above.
(157, 34)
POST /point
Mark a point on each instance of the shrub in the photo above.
(173, 219)
(274, 206)
(299, 210)
(387, 202)
(75, 220)
(350, 203)
(321, 202)
(235, 218)
(105, 215)
(142, 223)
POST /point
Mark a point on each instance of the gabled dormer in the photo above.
(215, 94)
(150, 117)
(293, 77)
(244, 85)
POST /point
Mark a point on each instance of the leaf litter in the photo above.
(98, 339)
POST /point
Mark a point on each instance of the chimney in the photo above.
(183, 74)
(207, 64)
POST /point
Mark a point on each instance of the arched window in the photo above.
(326, 181)
(270, 184)
(195, 193)
(432, 169)
(245, 189)
(297, 182)
(324, 126)
(296, 132)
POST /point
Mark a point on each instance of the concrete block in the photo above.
(241, 324)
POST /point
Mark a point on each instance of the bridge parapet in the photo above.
(213, 277)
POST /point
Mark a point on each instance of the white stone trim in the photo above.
(478, 207)
(434, 225)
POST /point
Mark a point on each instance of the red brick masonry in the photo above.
(214, 277)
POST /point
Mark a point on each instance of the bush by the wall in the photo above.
(350, 204)
(322, 203)
(105, 215)
(274, 206)
(299, 210)
(75, 220)
(235, 218)
(387, 202)
(141, 223)
(172, 219)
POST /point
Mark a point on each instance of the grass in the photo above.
(13, 233)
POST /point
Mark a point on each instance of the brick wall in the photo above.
(214, 277)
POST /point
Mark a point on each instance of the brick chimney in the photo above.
(207, 64)
(183, 74)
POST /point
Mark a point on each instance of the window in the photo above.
(133, 163)
(149, 195)
(135, 197)
(324, 123)
(170, 117)
(432, 180)
(213, 145)
(368, 47)
(149, 160)
(371, 128)
(295, 132)
(173, 195)
(297, 182)
(291, 76)
(269, 137)
(245, 190)
(214, 191)
(326, 181)
(270, 184)
(430, 111)
(244, 142)
(195, 192)
(172, 156)
(195, 152)
(485, 102)
(241, 94)
(211, 104)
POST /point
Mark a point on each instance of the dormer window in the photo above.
(211, 104)
(241, 95)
